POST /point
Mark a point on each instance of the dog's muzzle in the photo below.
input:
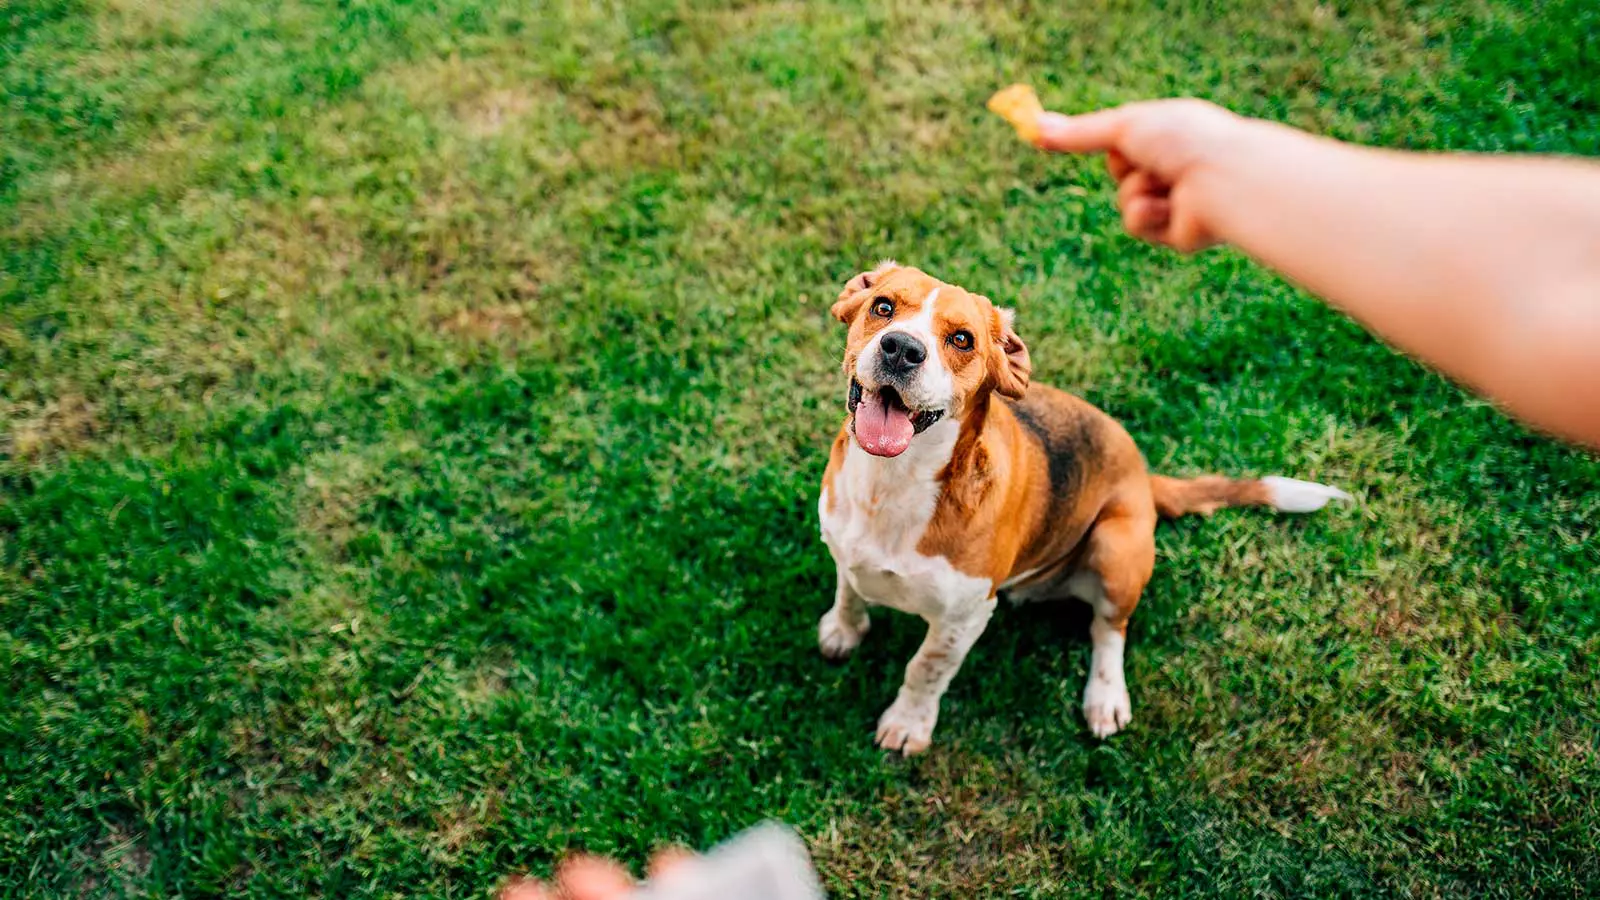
(899, 355)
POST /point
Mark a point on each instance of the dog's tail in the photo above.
(1204, 495)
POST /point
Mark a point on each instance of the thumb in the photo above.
(1094, 132)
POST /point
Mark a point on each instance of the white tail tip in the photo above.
(1292, 495)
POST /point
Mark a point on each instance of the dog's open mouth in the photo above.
(884, 425)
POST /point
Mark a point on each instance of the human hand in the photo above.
(1165, 155)
(592, 878)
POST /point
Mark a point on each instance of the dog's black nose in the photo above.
(901, 352)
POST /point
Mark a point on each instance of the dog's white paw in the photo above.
(838, 638)
(907, 726)
(1106, 707)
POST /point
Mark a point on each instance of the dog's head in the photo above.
(921, 350)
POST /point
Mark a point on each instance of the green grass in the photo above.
(411, 417)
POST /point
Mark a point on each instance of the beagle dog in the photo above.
(954, 478)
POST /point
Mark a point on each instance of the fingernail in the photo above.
(1053, 122)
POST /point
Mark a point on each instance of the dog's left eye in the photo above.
(961, 340)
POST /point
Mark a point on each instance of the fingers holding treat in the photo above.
(1020, 106)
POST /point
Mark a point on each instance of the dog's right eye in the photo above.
(883, 309)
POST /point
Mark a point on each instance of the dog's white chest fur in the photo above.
(881, 509)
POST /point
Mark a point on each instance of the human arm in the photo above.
(1485, 267)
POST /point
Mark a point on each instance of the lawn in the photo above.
(412, 414)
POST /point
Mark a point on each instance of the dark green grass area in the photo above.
(411, 416)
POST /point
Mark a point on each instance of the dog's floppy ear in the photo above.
(1012, 367)
(854, 296)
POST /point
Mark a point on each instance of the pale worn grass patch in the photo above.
(463, 827)
(161, 166)
(335, 486)
(490, 114)
(494, 323)
(963, 825)
(119, 864)
(139, 21)
(622, 126)
(478, 95)
(66, 423)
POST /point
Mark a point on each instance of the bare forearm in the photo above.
(1487, 268)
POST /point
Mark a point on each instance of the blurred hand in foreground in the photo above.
(591, 878)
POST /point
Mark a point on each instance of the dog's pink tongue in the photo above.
(883, 429)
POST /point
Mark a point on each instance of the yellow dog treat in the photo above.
(1019, 105)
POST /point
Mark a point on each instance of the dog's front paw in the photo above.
(837, 637)
(907, 726)
(1106, 707)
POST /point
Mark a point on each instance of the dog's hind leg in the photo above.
(1121, 555)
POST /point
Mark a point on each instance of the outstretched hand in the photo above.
(1161, 153)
